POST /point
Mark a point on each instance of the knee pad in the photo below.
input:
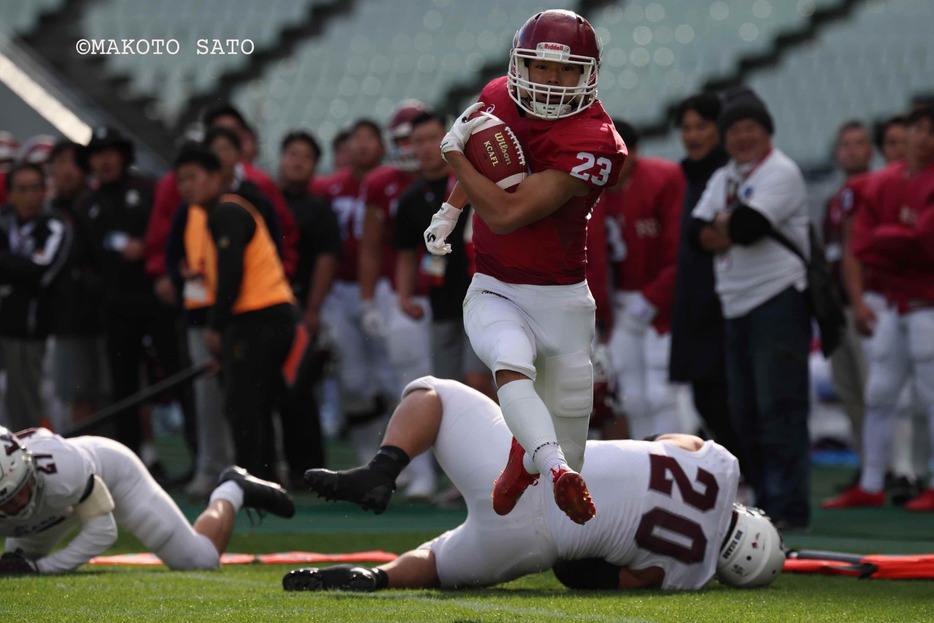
(565, 384)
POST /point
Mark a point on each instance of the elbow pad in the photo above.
(747, 225)
(96, 502)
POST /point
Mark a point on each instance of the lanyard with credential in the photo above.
(732, 185)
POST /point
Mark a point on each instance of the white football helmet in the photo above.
(753, 553)
(16, 471)
(554, 35)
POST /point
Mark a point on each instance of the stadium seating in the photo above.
(173, 81)
(22, 17)
(379, 54)
(864, 67)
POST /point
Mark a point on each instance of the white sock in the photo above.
(878, 431)
(229, 492)
(530, 423)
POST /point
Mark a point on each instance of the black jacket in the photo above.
(32, 256)
(697, 319)
(112, 213)
(79, 288)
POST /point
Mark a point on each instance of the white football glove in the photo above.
(463, 127)
(443, 223)
(371, 320)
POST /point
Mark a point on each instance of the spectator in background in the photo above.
(446, 276)
(891, 138)
(251, 320)
(34, 249)
(368, 383)
(36, 149)
(865, 301)
(319, 243)
(167, 200)
(80, 367)
(340, 148)
(115, 216)
(215, 447)
(894, 234)
(250, 142)
(697, 341)
(847, 365)
(9, 147)
(319, 249)
(407, 337)
(643, 223)
(761, 287)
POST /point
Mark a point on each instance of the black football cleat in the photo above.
(260, 494)
(363, 486)
(339, 577)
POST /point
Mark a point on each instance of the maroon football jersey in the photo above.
(553, 250)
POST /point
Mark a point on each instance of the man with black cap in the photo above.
(116, 215)
(759, 194)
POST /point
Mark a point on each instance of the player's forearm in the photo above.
(95, 538)
(852, 270)
(368, 260)
(491, 203)
(406, 274)
(321, 280)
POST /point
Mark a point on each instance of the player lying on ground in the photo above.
(667, 520)
(49, 485)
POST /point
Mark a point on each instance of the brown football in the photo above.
(495, 152)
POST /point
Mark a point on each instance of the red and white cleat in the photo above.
(513, 482)
(572, 496)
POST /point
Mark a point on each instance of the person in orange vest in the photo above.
(232, 266)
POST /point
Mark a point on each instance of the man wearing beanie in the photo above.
(758, 194)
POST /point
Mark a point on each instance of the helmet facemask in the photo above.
(551, 101)
(19, 469)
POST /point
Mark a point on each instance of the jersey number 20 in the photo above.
(689, 541)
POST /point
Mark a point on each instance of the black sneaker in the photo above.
(339, 577)
(363, 486)
(901, 489)
(260, 494)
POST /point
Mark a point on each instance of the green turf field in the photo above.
(253, 593)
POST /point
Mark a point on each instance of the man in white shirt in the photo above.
(667, 514)
(758, 194)
(49, 486)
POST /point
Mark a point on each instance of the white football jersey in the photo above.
(657, 506)
(64, 472)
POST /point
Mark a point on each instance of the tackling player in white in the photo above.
(668, 517)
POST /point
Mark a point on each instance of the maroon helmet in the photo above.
(399, 130)
(561, 36)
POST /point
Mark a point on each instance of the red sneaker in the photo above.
(855, 497)
(922, 503)
(572, 496)
(513, 482)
